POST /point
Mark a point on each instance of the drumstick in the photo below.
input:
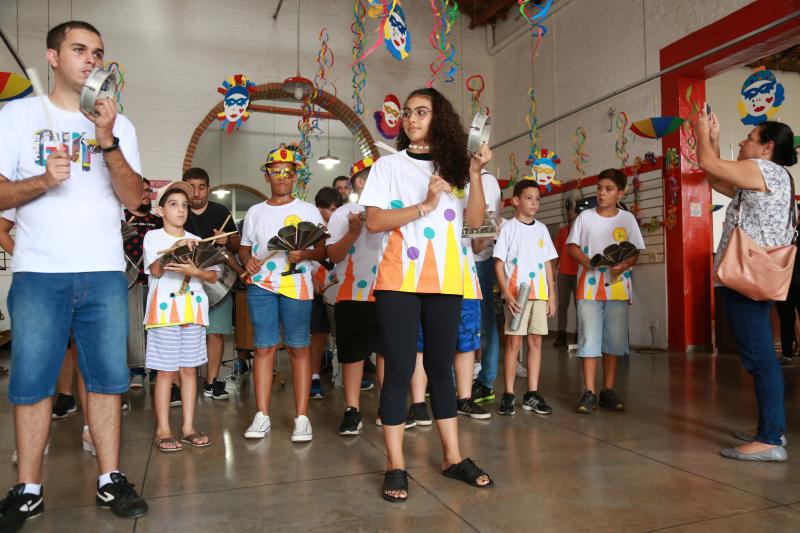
(389, 149)
(225, 223)
(133, 217)
(215, 237)
(243, 275)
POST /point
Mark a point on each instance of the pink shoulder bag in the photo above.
(761, 273)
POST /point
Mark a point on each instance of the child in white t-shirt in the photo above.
(603, 292)
(523, 254)
(176, 317)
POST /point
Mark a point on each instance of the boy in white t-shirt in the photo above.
(523, 254)
(603, 292)
(280, 299)
(175, 317)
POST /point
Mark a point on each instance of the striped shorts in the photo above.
(172, 347)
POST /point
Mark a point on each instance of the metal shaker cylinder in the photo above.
(522, 299)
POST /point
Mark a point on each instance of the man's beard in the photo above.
(145, 208)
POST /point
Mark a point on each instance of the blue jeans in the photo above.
(268, 310)
(490, 338)
(44, 308)
(752, 330)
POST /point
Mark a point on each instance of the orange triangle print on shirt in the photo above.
(346, 288)
(174, 318)
(390, 270)
(429, 277)
(303, 289)
(601, 288)
(581, 282)
(512, 282)
(152, 315)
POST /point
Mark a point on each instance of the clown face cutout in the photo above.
(543, 169)
(395, 34)
(388, 120)
(237, 90)
(762, 95)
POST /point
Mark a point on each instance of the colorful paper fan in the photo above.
(656, 127)
(13, 86)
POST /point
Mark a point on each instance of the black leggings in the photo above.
(400, 315)
(786, 312)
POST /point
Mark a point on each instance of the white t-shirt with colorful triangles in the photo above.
(425, 255)
(166, 305)
(593, 233)
(356, 273)
(261, 223)
(524, 250)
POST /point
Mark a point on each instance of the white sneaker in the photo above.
(258, 429)
(476, 370)
(302, 429)
(522, 372)
(14, 457)
(137, 381)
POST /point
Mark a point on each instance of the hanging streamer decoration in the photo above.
(325, 61)
(689, 146)
(533, 126)
(636, 208)
(304, 147)
(475, 85)
(671, 163)
(358, 68)
(580, 158)
(119, 73)
(513, 175)
(535, 13)
(445, 14)
(622, 140)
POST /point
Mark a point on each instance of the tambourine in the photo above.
(487, 229)
(479, 132)
(101, 83)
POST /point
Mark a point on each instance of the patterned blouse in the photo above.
(764, 215)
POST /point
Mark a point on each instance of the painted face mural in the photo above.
(543, 169)
(762, 95)
(388, 120)
(237, 90)
(395, 34)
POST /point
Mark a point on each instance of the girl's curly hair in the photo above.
(447, 137)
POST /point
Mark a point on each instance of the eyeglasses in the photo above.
(281, 173)
(419, 112)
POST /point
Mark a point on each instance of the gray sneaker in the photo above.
(587, 403)
(533, 401)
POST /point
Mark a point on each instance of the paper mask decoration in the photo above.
(656, 127)
(13, 86)
(237, 90)
(395, 34)
(388, 120)
(543, 169)
(762, 95)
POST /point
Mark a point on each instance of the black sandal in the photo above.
(395, 480)
(468, 472)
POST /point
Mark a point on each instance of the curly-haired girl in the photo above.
(418, 197)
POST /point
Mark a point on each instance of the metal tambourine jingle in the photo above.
(101, 83)
(479, 132)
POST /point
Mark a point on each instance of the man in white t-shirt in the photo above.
(64, 169)
(483, 388)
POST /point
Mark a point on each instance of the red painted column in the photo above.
(689, 242)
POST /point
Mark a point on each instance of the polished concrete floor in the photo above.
(653, 467)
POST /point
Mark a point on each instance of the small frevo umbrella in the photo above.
(290, 238)
(614, 254)
(656, 127)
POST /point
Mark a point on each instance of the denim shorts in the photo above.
(44, 309)
(268, 310)
(602, 327)
(469, 328)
